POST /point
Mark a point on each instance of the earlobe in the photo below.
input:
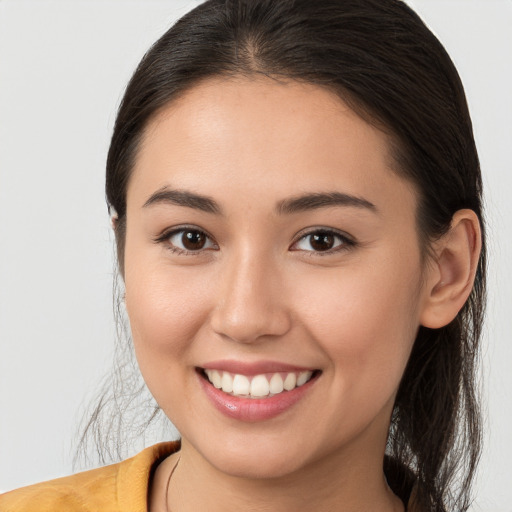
(114, 217)
(452, 273)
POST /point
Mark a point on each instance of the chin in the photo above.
(257, 459)
(257, 468)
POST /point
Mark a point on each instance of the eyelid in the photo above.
(348, 242)
(165, 235)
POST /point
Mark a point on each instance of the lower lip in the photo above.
(254, 409)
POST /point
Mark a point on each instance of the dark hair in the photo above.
(380, 58)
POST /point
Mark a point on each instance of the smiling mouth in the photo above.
(260, 386)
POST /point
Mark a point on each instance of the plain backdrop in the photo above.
(63, 69)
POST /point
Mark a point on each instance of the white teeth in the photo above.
(276, 384)
(303, 378)
(227, 382)
(241, 385)
(216, 379)
(259, 386)
(290, 382)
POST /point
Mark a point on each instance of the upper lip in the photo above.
(253, 368)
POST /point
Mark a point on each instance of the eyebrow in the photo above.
(322, 200)
(184, 198)
(301, 203)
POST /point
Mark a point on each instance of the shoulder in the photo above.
(80, 492)
(116, 488)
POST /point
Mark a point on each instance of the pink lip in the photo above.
(255, 368)
(254, 409)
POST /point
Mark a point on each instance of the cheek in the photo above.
(365, 318)
(166, 308)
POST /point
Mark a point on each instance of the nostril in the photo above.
(247, 328)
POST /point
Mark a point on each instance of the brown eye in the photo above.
(189, 240)
(323, 241)
(193, 240)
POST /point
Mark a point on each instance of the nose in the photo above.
(251, 304)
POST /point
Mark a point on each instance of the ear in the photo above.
(113, 221)
(451, 274)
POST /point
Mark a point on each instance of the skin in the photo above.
(259, 291)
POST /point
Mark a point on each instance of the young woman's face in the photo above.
(269, 243)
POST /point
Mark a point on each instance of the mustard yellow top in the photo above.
(121, 487)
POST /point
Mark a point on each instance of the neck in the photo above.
(356, 483)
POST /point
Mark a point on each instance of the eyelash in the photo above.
(346, 242)
(166, 235)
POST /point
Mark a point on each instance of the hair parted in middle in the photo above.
(381, 59)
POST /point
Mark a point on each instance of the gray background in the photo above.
(63, 68)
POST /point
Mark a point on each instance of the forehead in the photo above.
(245, 134)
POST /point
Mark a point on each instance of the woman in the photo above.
(296, 199)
